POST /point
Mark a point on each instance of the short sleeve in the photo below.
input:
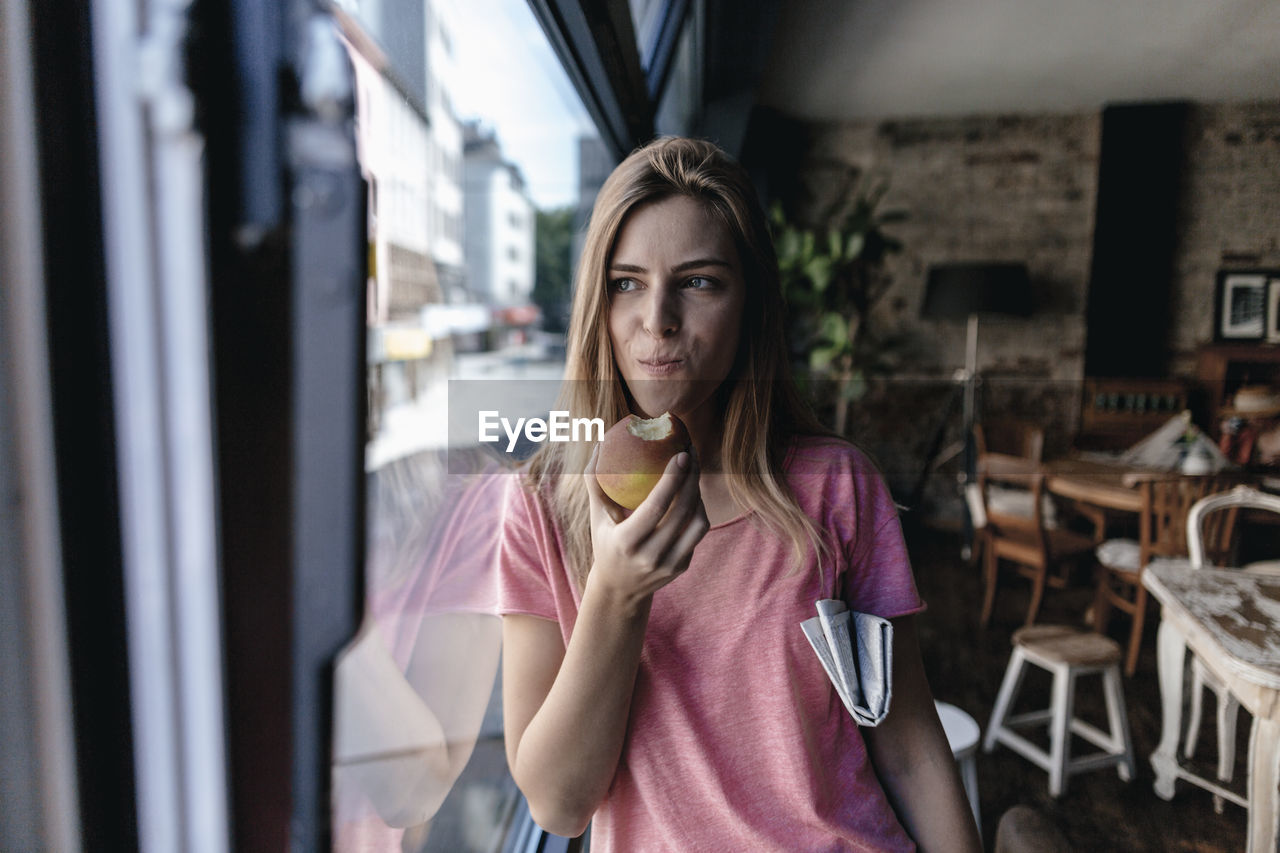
(454, 569)
(879, 577)
(523, 564)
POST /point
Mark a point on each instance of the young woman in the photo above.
(655, 675)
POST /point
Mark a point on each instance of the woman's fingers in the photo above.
(680, 553)
(653, 544)
(600, 502)
(682, 511)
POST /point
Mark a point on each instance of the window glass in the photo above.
(470, 138)
(678, 104)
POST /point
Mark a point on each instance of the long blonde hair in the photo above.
(762, 409)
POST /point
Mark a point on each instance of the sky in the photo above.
(508, 77)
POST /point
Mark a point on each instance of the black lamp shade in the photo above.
(955, 291)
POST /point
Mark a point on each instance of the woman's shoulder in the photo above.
(524, 499)
(822, 453)
(827, 472)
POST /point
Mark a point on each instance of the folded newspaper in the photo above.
(856, 650)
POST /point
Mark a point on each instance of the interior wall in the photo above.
(1009, 188)
(1229, 215)
(1023, 188)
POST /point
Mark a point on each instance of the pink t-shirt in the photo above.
(736, 739)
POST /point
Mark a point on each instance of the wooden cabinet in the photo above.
(1223, 368)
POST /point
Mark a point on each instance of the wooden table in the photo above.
(1231, 620)
(1100, 484)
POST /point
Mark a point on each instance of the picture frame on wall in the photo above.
(1273, 309)
(1242, 303)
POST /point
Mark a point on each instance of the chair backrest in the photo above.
(1166, 505)
(1003, 470)
(1116, 413)
(1010, 436)
(1204, 537)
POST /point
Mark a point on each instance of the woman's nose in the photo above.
(662, 315)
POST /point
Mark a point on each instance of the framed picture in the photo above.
(1242, 305)
(1273, 309)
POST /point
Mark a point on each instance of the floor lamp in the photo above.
(970, 291)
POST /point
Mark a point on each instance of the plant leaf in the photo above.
(854, 386)
(855, 245)
(820, 358)
(833, 328)
(789, 248)
(818, 269)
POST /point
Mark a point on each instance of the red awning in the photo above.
(517, 315)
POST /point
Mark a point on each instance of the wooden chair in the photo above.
(1162, 526)
(1010, 437)
(1039, 551)
(1211, 525)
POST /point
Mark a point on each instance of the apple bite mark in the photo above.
(635, 452)
(651, 429)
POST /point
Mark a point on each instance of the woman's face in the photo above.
(676, 292)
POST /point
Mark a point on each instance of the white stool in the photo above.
(1067, 653)
(963, 735)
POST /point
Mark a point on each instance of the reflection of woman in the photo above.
(412, 689)
(655, 675)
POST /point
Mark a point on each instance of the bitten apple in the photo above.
(635, 452)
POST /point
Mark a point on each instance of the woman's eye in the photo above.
(623, 285)
(699, 282)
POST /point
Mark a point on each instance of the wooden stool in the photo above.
(1067, 653)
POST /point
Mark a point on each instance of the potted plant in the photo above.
(833, 274)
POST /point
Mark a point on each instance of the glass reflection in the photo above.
(480, 166)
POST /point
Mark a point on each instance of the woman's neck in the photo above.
(706, 429)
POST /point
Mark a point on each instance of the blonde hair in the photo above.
(762, 408)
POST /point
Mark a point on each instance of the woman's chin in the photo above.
(681, 397)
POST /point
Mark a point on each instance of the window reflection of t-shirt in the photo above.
(736, 739)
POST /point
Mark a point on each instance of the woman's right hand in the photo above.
(637, 555)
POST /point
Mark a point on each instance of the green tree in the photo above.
(553, 269)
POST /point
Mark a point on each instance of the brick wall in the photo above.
(1023, 188)
(1229, 214)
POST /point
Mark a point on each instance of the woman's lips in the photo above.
(661, 368)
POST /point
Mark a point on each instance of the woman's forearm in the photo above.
(568, 754)
(568, 719)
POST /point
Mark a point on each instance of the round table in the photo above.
(963, 735)
(1098, 484)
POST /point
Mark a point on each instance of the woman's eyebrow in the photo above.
(680, 267)
(701, 262)
(626, 268)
